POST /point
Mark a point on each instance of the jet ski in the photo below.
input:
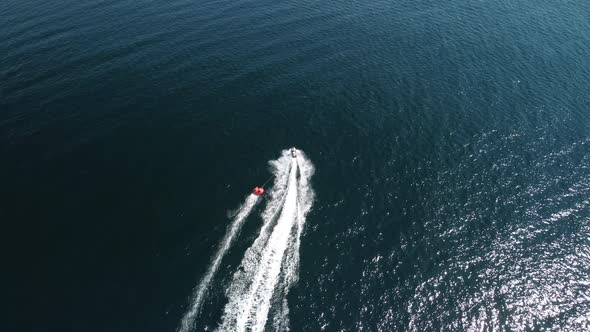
(293, 152)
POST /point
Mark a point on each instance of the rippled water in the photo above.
(450, 140)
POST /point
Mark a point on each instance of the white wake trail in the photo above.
(242, 278)
(188, 320)
(271, 266)
(305, 200)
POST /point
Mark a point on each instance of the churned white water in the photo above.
(270, 265)
(203, 286)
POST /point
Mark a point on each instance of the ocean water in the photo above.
(450, 141)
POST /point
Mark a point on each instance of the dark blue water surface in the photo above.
(451, 141)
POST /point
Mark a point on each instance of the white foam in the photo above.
(203, 286)
(241, 279)
(305, 198)
(271, 264)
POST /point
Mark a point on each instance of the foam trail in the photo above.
(272, 269)
(305, 199)
(259, 296)
(187, 323)
(242, 278)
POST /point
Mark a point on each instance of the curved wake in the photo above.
(269, 267)
(201, 290)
